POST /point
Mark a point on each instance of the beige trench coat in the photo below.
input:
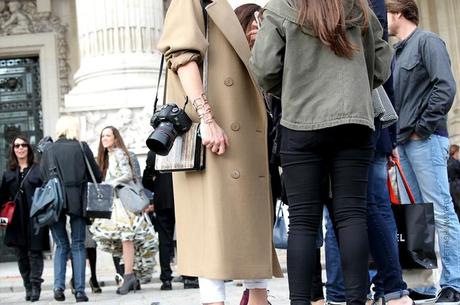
(224, 213)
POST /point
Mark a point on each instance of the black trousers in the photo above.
(30, 265)
(343, 155)
(164, 224)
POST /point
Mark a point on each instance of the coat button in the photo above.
(228, 82)
(235, 174)
(235, 126)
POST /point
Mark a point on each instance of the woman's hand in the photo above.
(214, 137)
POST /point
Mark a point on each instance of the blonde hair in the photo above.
(68, 127)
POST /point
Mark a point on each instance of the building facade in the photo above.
(96, 59)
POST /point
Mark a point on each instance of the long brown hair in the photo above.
(13, 162)
(328, 20)
(103, 153)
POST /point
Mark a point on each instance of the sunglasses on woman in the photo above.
(23, 145)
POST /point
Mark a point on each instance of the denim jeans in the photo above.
(308, 158)
(63, 248)
(382, 234)
(335, 287)
(382, 242)
(425, 166)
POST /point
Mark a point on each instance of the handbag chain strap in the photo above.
(90, 170)
(205, 64)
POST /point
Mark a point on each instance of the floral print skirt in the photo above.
(126, 226)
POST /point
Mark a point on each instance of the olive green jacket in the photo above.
(319, 89)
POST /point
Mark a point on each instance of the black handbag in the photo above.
(416, 230)
(99, 196)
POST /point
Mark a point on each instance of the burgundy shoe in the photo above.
(245, 297)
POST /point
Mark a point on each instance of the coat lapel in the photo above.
(229, 25)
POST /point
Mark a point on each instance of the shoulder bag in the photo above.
(48, 200)
(132, 196)
(99, 196)
(7, 210)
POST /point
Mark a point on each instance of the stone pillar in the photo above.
(442, 17)
(118, 67)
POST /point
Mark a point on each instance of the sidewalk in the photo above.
(12, 292)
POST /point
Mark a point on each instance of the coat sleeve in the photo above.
(150, 173)
(183, 39)
(268, 54)
(383, 52)
(122, 169)
(92, 163)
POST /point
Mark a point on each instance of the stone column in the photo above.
(442, 17)
(118, 67)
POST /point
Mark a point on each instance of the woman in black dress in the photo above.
(19, 183)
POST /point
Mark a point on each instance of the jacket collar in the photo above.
(230, 27)
(401, 44)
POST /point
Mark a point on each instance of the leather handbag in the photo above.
(48, 200)
(99, 196)
(6, 213)
(132, 196)
(7, 210)
(280, 232)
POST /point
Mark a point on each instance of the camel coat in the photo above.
(224, 213)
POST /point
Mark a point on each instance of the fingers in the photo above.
(215, 139)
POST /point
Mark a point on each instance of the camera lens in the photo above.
(162, 138)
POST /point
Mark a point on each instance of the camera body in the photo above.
(169, 122)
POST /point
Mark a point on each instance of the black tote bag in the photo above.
(416, 231)
(99, 196)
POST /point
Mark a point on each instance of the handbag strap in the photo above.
(22, 183)
(205, 64)
(88, 167)
(393, 196)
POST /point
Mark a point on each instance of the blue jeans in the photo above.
(382, 241)
(63, 248)
(425, 167)
(383, 234)
(335, 287)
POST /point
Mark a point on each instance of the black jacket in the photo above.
(160, 184)
(453, 170)
(72, 168)
(19, 233)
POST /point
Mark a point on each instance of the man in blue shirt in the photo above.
(424, 90)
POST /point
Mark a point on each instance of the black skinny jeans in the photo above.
(309, 159)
